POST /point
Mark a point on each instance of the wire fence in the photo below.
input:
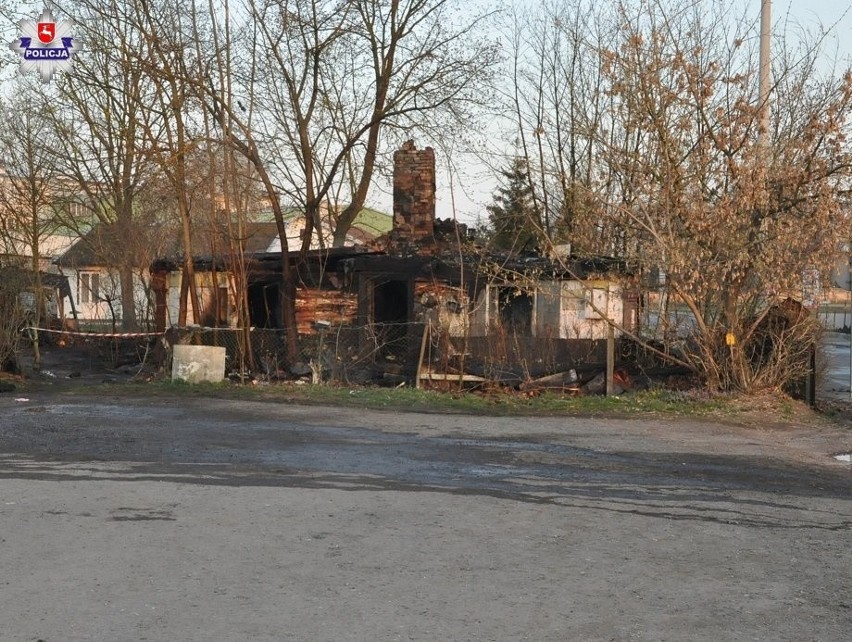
(835, 320)
(388, 353)
(343, 353)
(679, 323)
(393, 352)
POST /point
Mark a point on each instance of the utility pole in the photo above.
(765, 69)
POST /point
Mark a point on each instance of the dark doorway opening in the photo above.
(390, 302)
(516, 309)
(264, 305)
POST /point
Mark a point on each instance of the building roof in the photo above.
(503, 267)
(106, 245)
(27, 278)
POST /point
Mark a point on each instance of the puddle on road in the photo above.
(844, 457)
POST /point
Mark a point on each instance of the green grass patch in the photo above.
(499, 402)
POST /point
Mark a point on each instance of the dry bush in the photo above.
(12, 318)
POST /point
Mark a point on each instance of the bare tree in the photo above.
(330, 79)
(28, 185)
(164, 32)
(555, 98)
(106, 123)
(236, 127)
(677, 180)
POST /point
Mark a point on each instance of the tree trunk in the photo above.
(37, 299)
(288, 282)
(129, 322)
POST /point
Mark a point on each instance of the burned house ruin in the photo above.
(495, 314)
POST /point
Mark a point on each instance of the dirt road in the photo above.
(199, 519)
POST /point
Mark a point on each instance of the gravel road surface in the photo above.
(206, 519)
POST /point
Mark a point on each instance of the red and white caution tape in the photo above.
(112, 335)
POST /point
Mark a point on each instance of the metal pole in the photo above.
(765, 68)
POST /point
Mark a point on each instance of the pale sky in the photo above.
(809, 14)
(474, 186)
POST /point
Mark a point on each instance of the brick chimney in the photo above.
(413, 198)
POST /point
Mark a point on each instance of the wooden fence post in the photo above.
(610, 359)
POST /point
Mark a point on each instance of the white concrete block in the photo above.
(197, 364)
